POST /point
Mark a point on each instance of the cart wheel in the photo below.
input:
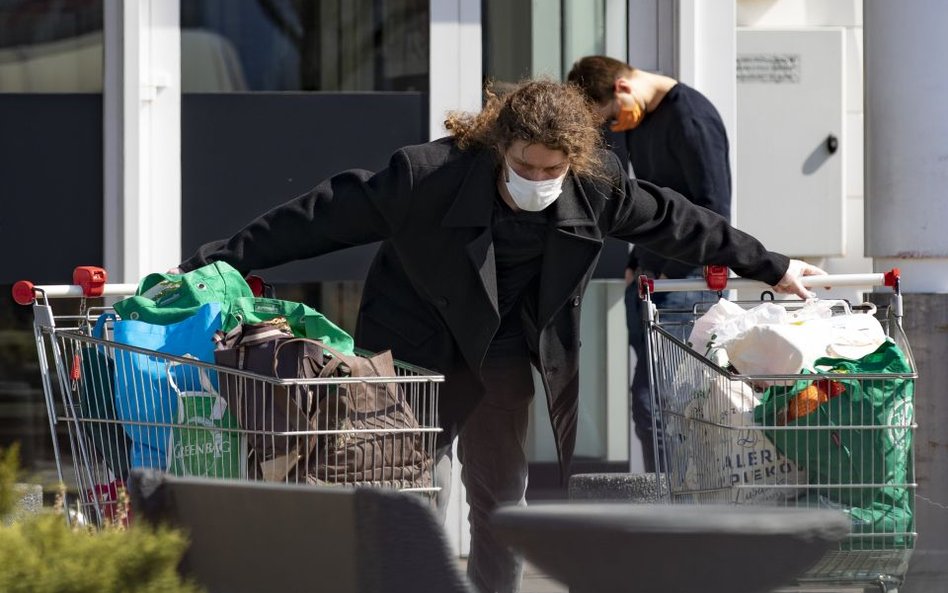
(885, 584)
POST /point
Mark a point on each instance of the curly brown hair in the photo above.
(545, 112)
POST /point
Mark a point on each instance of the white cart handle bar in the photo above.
(717, 278)
(89, 282)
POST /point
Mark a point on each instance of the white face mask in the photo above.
(533, 196)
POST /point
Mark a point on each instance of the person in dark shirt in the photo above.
(489, 238)
(673, 137)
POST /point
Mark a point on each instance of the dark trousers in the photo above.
(494, 468)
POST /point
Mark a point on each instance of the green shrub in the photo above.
(9, 463)
(42, 554)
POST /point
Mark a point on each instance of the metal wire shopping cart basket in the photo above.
(722, 436)
(106, 407)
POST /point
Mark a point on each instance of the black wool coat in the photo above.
(431, 293)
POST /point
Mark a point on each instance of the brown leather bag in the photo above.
(271, 413)
(373, 434)
(368, 433)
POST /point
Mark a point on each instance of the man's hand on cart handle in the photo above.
(790, 283)
(174, 270)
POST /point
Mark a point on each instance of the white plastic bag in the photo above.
(772, 340)
(788, 348)
(854, 336)
(777, 349)
(726, 448)
(725, 321)
(815, 309)
(703, 332)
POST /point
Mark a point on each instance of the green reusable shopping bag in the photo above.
(881, 518)
(875, 527)
(206, 441)
(303, 321)
(863, 437)
(164, 299)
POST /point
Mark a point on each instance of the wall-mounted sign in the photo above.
(768, 68)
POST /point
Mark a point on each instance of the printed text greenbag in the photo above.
(207, 441)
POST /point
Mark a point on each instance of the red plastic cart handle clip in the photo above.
(891, 278)
(257, 286)
(716, 277)
(92, 280)
(646, 286)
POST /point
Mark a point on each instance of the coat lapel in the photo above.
(471, 214)
(571, 249)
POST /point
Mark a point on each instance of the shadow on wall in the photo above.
(820, 155)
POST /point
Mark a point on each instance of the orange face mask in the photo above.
(629, 117)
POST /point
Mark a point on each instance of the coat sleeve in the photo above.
(351, 208)
(666, 223)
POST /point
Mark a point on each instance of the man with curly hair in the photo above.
(489, 238)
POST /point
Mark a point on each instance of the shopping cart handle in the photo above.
(890, 279)
(715, 278)
(26, 293)
(88, 281)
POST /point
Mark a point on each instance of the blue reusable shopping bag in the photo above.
(142, 390)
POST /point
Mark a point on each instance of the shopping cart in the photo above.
(717, 440)
(106, 407)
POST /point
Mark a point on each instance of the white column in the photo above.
(455, 61)
(142, 137)
(455, 85)
(616, 24)
(707, 61)
(905, 132)
(619, 433)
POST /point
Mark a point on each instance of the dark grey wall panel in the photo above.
(50, 185)
(242, 154)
